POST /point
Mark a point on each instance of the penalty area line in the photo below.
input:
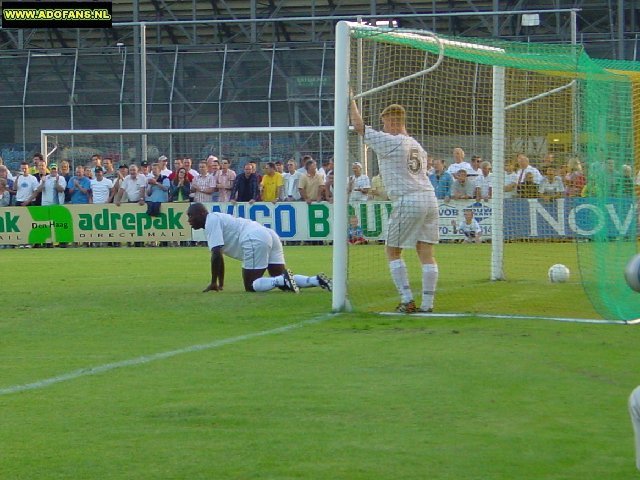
(107, 367)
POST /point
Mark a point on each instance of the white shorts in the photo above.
(414, 219)
(261, 248)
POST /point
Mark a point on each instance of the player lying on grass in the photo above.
(259, 248)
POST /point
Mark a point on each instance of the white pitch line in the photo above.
(512, 317)
(107, 367)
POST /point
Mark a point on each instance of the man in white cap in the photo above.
(164, 169)
(359, 184)
(52, 188)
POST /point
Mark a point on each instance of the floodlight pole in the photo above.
(143, 88)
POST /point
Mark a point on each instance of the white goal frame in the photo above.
(341, 155)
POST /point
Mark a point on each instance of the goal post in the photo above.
(520, 107)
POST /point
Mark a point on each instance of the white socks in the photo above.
(305, 282)
(401, 279)
(265, 284)
(429, 283)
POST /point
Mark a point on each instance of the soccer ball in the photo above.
(632, 273)
(558, 273)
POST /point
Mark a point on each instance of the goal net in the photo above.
(543, 136)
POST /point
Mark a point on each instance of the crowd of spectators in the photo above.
(463, 180)
(212, 179)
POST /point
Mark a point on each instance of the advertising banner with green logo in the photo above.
(296, 221)
(92, 223)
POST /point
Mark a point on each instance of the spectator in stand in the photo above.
(51, 188)
(88, 172)
(164, 169)
(462, 188)
(612, 178)
(203, 185)
(213, 167)
(96, 161)
(5, 195)
(9, 184)
(303, 163)
(186, 163)
(328, 187)
(469, 227)
(254, 169)
(177, 165)
(626, 181)
(528, 188)
(476, 168)
(291, 181)
(9, 175)
(224, 181)
(272, 184)
(549, 160)
(574, 179)
(101, 188)
(327, 165)
(108, 169)
(40, 175)
(355, 233)
(122, 172)
(79, 187)
(524, 167)
(65, 170)
(279, 167)
(441, 180)
(551, 186)
(311, 184)
(145, 170)
(246, 187)
(458, 163)
(484, 183)
(133, 186)
(180, 187)
(510, 180)
(25, 185)
(157, 191)
(378, 192)
(35, 160)
(359, 184)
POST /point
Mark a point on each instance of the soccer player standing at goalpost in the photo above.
(414, 219)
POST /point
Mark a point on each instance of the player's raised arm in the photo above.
(356, 118)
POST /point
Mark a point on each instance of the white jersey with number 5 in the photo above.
(402, 162)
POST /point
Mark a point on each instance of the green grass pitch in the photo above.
(349, 396)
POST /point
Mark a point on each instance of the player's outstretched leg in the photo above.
(320, 280)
